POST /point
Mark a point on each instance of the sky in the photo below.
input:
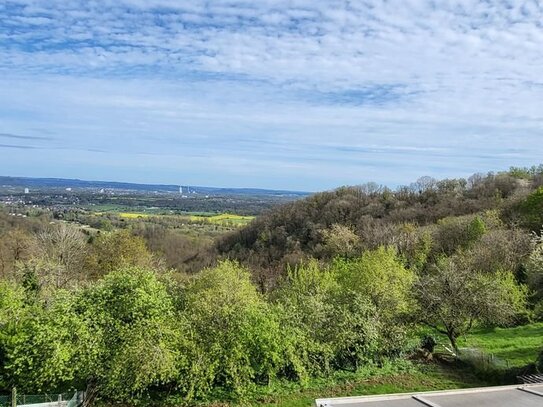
(301, 94)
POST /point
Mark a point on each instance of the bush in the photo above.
(235, 333)
(329, 325)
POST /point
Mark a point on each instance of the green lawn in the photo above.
(518, 346)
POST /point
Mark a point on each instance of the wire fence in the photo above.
(72, 399)
(481, 360)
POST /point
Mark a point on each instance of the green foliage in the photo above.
(111, 251)
(340, 240)
(235, 334)
(332, 315)
(452, 299)
(12, 313)
(119, 333)
(380, 276)
(476, 229)
(531, 210)
(45, 352)
(134, 336)
(458, 233)
(414, 246)
(304, 304)
(443, 253)
(534, 271)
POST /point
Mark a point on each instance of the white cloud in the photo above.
(417, 77)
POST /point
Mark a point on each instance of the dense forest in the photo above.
(140, 311)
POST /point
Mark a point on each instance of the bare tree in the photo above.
(61, 255)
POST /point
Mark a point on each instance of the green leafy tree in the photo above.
(115, 250)
(534, 272)
(453, 299)
(236, 335)
(531, 210)
(135, 334)
(381, 277)
(326, 327)
(12, 316)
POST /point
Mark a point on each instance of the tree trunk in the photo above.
(90, 393)
(452, 338)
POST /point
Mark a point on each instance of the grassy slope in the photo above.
(433, 377)
(518, 346)
(420, 377)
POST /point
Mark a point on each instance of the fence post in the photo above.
(59, 400)
(14, 397)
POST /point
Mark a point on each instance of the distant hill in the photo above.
(37, 183)
(367, 216)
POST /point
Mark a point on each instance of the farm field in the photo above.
(223, 219)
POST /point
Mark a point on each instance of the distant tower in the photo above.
(27, 191)
(180, 190)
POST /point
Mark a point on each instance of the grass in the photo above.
(408, 378)
(518, 346)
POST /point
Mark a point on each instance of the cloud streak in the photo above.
(19, 137)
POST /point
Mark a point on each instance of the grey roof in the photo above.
(530, 395)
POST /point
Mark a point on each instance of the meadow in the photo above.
(517, 346)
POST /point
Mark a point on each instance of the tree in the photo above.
(15, 247)
(61, 252)
(381, 277)
(534, 268)
(454, 233)
(453, 299)
(115, 250)
(12, 315)
(531, 210)
(236, 337)
(136, 334)
(325, 326)
(340, 240)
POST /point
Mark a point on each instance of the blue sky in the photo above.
(299, 94)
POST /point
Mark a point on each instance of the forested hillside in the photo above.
(141, 311)
(423, 221)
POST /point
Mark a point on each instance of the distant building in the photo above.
(27, 191)
(68, 189)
